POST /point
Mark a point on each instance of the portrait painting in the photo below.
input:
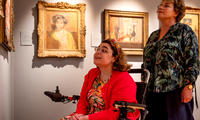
(61, 30)
(130, 29)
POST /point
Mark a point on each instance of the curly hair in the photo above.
(120, 63)
(179, 7)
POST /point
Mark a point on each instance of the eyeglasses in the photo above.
(102, 50)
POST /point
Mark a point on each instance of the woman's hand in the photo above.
(84, 117)
(65, 118)
(186, 94)
(75, 116)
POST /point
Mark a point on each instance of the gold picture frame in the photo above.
(7, 26)
(61, 30)
(129, 28)
(192, 18)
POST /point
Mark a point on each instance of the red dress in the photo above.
(120, 87)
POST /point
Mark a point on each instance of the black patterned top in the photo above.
(173, 61)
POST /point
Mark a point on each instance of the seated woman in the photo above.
(105, 84)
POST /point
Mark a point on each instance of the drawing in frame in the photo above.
(129, 28)
(7, 26)
(192, 18)
(61, 30)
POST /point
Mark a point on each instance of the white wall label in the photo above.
(25, 38)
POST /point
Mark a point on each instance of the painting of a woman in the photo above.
(59, 37)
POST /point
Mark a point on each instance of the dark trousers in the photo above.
(168, 106)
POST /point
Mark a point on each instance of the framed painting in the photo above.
(1, 21)
(1, 9)
(7, 26)
(130, 29)
(1, 31)
(61, 30)
(192, 18)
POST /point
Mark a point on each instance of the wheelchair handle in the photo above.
(146, 80)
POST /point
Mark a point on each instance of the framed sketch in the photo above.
(130, 29)
(61, 30)
(192, 18)
(7, 26)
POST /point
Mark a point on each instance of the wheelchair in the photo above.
(124, 107)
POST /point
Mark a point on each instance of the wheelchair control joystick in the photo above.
(58, 97)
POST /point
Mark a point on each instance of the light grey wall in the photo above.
(5, 85)
(32, 76)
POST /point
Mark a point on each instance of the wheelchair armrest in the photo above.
(125, 107)
(129, 105)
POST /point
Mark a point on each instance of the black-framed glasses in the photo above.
(101, 49)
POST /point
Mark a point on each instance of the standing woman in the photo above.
(105, 84)
(172, 57)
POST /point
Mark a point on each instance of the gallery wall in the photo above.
(24, 77)
(5, 85)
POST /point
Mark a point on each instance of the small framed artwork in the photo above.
(61, 30)
(192, 18)
(7, 26)
(130, 29)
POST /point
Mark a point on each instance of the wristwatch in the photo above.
(190, 87)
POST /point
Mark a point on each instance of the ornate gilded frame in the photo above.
(6, 27)
(118, 25)
(76, 18)
(192, 18)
